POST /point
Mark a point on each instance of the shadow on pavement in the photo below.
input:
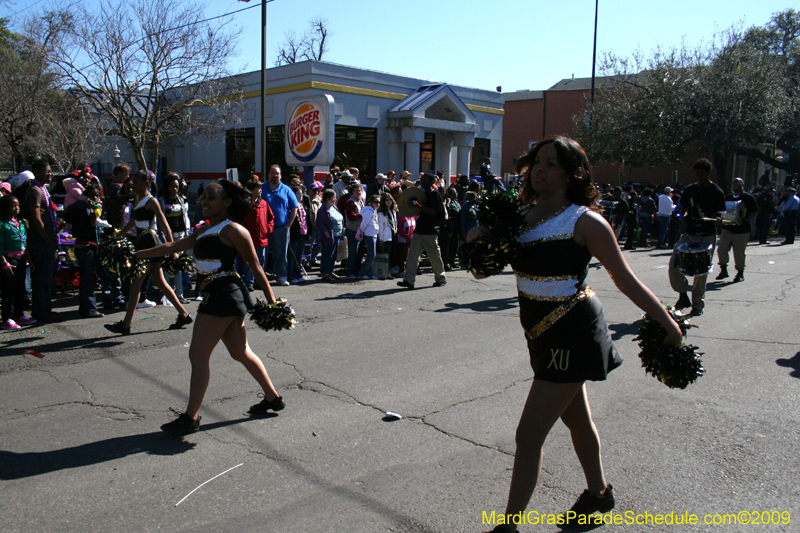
(21, 465)
(485, 306)
(618, 331)
(793, 363)
(14, 346)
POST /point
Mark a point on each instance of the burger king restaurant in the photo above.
(318, 112)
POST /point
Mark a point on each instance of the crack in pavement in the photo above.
(17, 414)
(788, 285)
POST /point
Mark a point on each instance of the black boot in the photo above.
(739, 276)
(723, 272)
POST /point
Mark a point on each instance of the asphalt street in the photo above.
(81, 449)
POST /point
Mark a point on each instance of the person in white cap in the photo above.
(378, 186)
(341, 186)
(665, 208)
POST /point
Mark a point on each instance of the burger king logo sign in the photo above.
(309, 131)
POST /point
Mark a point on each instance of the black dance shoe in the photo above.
(119, 328)
(262, 408)
(723, 272)
(183, 425)
(588, 504)
(181, 321)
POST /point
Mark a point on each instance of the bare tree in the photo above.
(27, 90)
(71, 134)
(291, 49)
(317, 39)
(313, 44)
(148, 70)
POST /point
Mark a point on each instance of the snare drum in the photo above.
(694, 258)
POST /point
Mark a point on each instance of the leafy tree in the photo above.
(147, 70)
(313, 44)
(722, 98)
(780, 40)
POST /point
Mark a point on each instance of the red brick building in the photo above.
(533, 115)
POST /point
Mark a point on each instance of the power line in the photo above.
(149, 35)
(24, 9)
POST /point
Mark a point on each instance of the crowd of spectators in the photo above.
(340, 226)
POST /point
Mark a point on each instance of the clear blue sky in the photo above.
(512, 43)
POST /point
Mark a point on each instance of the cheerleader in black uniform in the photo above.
(226, 300)
(146, 210)
(567, 336)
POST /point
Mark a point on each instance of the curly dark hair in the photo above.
(5, 206)
(573, 159)
(241, 199)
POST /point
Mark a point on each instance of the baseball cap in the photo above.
(667, 190)
(24, 176)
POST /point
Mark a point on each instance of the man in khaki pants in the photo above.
(735, 235)
(426, 236)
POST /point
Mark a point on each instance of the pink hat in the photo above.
(317, 185)
(6, 187)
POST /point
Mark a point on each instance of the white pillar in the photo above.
(412, 159)
(413, 138)
(463, 160)
(396, 162)
(443, 150)
(464, 142)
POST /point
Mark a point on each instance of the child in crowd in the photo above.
(259, 222)
(369, 231)
(387, 225)
(13, 237)
(297, 239)
(405, 232)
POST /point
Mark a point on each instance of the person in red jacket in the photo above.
(260, 223)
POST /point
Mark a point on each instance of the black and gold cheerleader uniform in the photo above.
(224, 293)
(567, 334)
(145, 220)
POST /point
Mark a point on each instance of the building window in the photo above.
(353, 147)
(275, 152)
(356, 147)
(480, 151)
(240, 151)
(427, 154)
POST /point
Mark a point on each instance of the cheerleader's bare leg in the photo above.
(158, 278)
(133, 300)
(546, 402)
(207, 332)
(235, 339)
(586, 441)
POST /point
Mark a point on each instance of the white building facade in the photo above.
(382, 122)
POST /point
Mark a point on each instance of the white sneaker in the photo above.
(146, 304)
(365, 277)
(198, 298)
(283, 282)
(165, 302)
(295, 281)
(374, 277)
